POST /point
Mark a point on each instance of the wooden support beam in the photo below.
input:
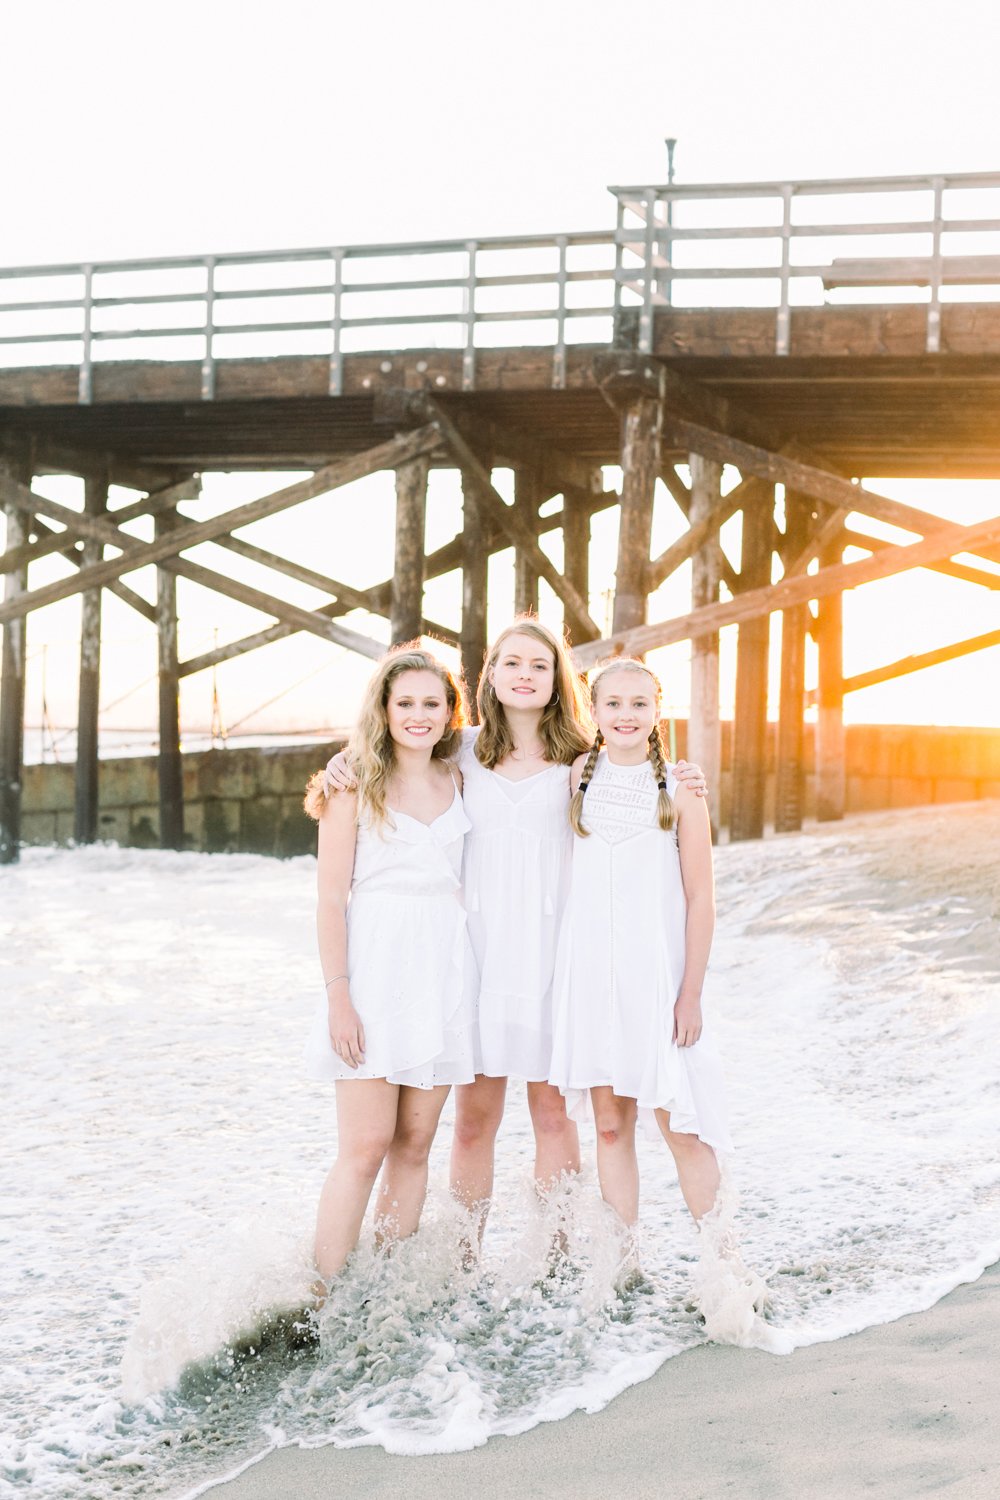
(809, 480)
(172, 542)
(169, 771)
(576, 549)
(790, 769)
(640, 465)
(55, 456)
(527, 498)
(406, 613)
(85, 799)
(665, 564)
(704, 741)
(125, 594)
(746, 819)
(347, 598)
(831, 772)
(788, 591)
(12, 676)
(950, 569)
(314, 621)
(492, 507)
(702, 533)
(916, 663)
(50, 541)
(475, 575)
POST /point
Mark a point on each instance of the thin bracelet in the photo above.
(336, 978)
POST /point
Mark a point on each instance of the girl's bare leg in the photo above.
(557, 1140)
(617, 1166)
(366, 1124)
(478, 1112)
(403, 1187)
(697, 1166)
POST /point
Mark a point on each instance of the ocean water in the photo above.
(163, 1154)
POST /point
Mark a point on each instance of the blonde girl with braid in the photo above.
(516, 772)
(629, 1040)
(394, 1028)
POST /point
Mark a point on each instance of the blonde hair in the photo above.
(370, 749)
(666, 813)
(565, 723)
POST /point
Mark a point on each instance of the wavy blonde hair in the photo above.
(565, 725)
(666, 813)
(371, 750)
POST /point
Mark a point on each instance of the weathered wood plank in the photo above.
(174, 541)
(789, 591)
(918, 662)
(513, 525)
(527, 498)
(406, 610)
(704, 742)
(475, 583)
(85, 804)
(640, 465)
(170, 776)
(746, 819)
(831, 770)
(790, 768)
(13, 663)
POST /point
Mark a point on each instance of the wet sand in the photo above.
(903, 1410)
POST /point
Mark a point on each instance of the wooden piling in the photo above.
(750, 717)
(85, 801)
(475, 571)
(527, 494)
(169, 770)
(789, 772)
(640, 462)
(704, 740)
(831, 777)
(406, 607)
(12, 681)
(576, 553)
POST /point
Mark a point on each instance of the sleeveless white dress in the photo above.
(515, 874)
(413, 978)
(620, 965)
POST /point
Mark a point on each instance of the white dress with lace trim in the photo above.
(620, 964)
(413, 978)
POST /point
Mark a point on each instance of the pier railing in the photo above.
(773, 244)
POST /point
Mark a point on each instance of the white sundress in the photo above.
(515, 874)
(620, 965)
(412, 975)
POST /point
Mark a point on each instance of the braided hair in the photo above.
(666, 814)
(586, 776)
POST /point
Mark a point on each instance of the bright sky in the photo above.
(223, 127)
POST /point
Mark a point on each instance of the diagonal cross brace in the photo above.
(141, 554)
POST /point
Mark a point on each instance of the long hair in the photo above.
(666, 813)
(371, 750)
(565, 725)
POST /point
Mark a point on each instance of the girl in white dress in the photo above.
(516, 769)
(628, 1028)
(395, 1029)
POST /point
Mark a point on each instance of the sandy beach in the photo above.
(895, 1412)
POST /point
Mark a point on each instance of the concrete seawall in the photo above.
(250, 800)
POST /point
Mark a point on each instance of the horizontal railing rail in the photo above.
(682, 246)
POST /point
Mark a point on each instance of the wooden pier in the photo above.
(552, 356)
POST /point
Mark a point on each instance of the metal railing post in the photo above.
(559, 353)
(646, 315)
(934, 305)
(86, 379)
(783, 331)
(469, 354)
(336, 384)
(208, 363)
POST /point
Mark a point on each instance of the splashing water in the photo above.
(164, 1155)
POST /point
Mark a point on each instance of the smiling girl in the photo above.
(628, 1025)
(516, 769)
(395, 1030)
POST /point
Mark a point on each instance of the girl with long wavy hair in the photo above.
(516, 767)
(395, 1029)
